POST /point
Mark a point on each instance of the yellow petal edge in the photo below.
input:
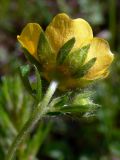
(100, 49)
(29, 38)
(62, 28)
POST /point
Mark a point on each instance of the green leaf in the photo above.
(37, 140)
(24, 72)
(32, 60)
(44, 50)
(6, 121)
(85, 68)
(38, 85)
(64, 50)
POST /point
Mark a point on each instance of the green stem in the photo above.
(39, 111)
(112, 21)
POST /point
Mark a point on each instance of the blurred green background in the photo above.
(62, 138)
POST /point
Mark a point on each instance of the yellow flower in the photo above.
(59, 31)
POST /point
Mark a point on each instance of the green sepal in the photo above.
(24, 72)
(63, 100)
(44, 50)
(82, 98)
(64, 50)
(85, 68)
(77, 58)
(57, 103)
(32, 60)
(85, 94)
(83, 54)
(92, 111)
(75, 108)
(38, 93)
(80, 108)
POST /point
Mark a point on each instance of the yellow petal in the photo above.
(100, 49)
(29, 37)
(62, 28)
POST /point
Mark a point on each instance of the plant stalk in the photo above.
(112, 21)
(39, 112)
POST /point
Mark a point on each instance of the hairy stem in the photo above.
(39, 111)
